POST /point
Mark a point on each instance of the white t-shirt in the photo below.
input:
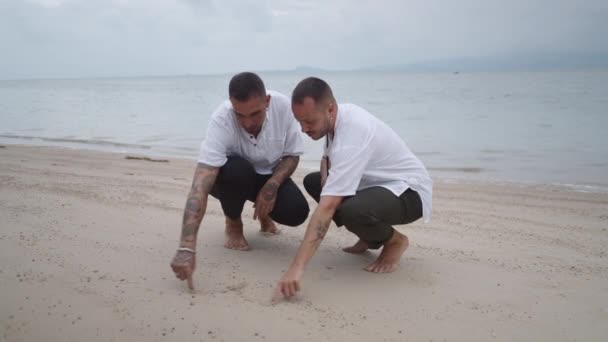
(280, 136)
(365, 152)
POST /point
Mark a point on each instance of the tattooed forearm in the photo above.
(321, 228)
(189, 232)
(316, 230)
(204, 178)
(285, 168)
(194, 208)
(281, 172)
(269, 191)
(196, 204)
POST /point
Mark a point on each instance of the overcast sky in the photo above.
(82, 38)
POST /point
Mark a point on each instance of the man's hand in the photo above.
(318, 225)
(183, 265)
(289, 284)
(264, 203)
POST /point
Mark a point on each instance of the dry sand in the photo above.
(86, 239)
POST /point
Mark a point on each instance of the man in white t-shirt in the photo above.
(369, 181)
(252, 147)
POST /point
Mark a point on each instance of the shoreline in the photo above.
(459, 175)
(86, 239)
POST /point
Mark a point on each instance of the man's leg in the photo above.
(234, 185)
(312, 184)
(291, 208)
(370, 215)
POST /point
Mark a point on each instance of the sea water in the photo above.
(538, 127)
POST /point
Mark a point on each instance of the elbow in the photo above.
(329, 204)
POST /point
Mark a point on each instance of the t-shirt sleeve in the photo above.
(214, 148)
(293, 140)
(346, 169)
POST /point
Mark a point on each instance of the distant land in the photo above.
(520, 63)
(523, 63)
(547, 62)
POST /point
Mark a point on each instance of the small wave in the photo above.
(588, 188)
(154, 139)
(506, 151)
(76, 141)
(431, 153)
(458, 169)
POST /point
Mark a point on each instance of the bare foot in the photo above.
(267, 226)
(358, 248)
(234, 235)
(388, 260)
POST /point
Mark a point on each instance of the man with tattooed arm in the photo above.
(369, 181)
(251, 149)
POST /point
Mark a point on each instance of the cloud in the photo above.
(79, 38)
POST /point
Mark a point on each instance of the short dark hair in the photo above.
(245, 85)
(312, 87)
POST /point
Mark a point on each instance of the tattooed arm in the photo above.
(265, 200)
(183, 263)
(285, 168)
(196, 205)
(315, 232)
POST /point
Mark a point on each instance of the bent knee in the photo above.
(312, 183)
(298, 216)
(294, 217)
(350, 214)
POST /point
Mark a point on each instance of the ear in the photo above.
(267, 100)
(331, 108)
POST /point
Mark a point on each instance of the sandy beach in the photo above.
(86, 239)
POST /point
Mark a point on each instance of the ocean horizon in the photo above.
(542, 127)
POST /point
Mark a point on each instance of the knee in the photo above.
(297, 215)
(312, 184)
(291, 208)
(300, 215)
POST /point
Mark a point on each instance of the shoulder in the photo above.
(355, 120)
(222, 115)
